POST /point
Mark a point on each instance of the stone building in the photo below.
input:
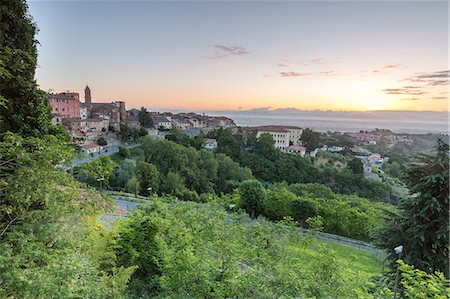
(64, 105)
(115, 112)
(284, 136)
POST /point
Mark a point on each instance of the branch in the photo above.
(7, 226)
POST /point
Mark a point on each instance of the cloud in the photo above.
(438, 78)
(430, 83)
(221, 51)
(282, 65)
(391, 66)
(437, 82)
(440, 74)
(406, 90)
(439, 98)
(296, 74)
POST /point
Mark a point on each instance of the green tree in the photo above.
(133, 185)
(137, 246)
(228, 143)
(124, 152)
(102, 141)
(422, 225)
(393, 169)
(418, 284)
(229, 174)
(144, 118)
(43, 232)
(173, 183)
(265, 146)
(148, 176)
(24, 108)
(100, 170)
(302, 210)
(277, 203)
(356, 166)
(310, 139)
(252, 196)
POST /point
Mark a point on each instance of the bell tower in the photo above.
(87, 95)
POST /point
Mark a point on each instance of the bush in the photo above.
(124, 152)
(302, 210)
(102, 141)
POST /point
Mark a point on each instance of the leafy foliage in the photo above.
(44, 250)
(421, 285)
(102, 141)
(422, 225)
(145, 119)
(148, 176)
(310, 139)
(199, 251)
(252, 197)
(356, 166)
(24, 109)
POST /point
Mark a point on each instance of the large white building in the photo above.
(283, 135)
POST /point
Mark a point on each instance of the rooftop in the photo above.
(296, 148)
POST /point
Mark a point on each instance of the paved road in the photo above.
(107, 151)
(126, 203)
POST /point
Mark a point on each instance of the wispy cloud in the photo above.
(221, 51)
(433, 79)
(440, 74)
(282, 65)
(406, 90)
(391, 66)
(426, 83)
(309, 74)
(381, 70)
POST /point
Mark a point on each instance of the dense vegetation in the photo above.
(195, 250)
(423, 222)
(48, 245)
(170, 168)
(52, 244)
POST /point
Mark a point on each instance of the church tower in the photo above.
(87, 95)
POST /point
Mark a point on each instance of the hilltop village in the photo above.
(97, 127)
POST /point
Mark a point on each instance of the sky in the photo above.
(213, 55)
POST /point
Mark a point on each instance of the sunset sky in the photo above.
(214, 55)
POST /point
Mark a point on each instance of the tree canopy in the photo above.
(422, 225)
(24, 109)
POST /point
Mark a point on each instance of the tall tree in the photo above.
(24, 109)
(252, 197)
(356, 166)
(144, 118)
(148, 176)
(265, 146)
(422, 226)
(310, 139)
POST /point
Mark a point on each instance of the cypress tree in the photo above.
(422, 226)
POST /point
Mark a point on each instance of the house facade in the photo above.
(210, 144)
(295, 150)
(64, 105)
(283, 136)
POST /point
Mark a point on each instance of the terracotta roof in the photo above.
(89, 146)
(296, 148)
(274, 128)
(210, 141)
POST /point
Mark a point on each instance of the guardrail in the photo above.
(343, 240)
